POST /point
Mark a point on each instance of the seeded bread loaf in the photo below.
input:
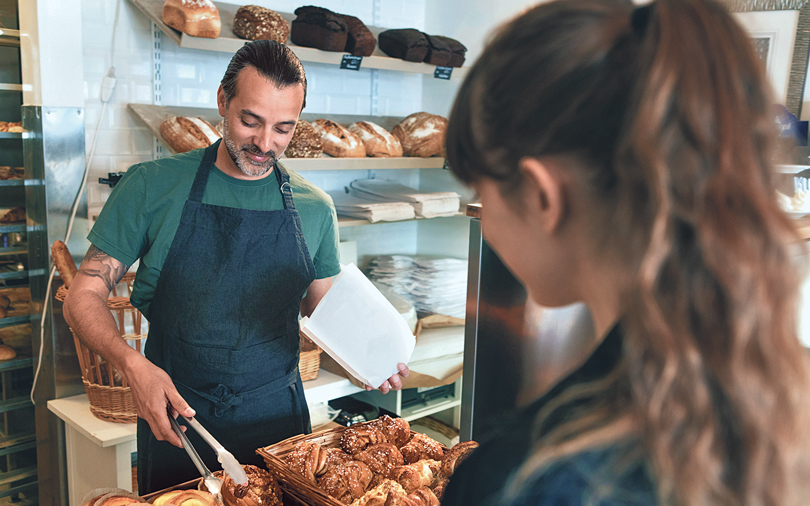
(185, 134)
(305, 142)
(253, 22)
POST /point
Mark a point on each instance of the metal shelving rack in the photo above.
(18, 444)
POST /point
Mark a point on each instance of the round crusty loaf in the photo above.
(253, 22)
(198, 18)
(377, 140)
(305, 142)
(339, 141)
(422, 134)
(184, 134)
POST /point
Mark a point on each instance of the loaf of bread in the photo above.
(262, 489)
(338, 141)
(457, 50)
(405, 43)
(359, 40)
(305, 142)
(63, 262)
(7, 172)
(185, 134)
(378, 141)
(198, 18)
(422, 134)
(319, 28)
(11, 126)
(438, 51)
(253, 22)
(13, 215)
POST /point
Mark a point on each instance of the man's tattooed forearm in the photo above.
(100, 265)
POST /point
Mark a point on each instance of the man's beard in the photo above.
(240, 158)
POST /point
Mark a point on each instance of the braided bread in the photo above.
(422, 496)
(309, 460)
(397, 431)
(421, 447)
(347, 481)
(381, 458)
(424, 473)
(358, 437)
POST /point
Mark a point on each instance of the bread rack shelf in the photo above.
(791, 169)
(11, 135)
(227, 42)
(11, 87)
(9, 37)
(153, 115)
(345, 221)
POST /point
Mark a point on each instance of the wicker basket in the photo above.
(309, 361)
(293, 483)
(107, 390)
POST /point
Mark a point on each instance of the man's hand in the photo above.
(394, 382)
(154, 393)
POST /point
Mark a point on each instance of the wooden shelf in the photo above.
(16, 363)
(429, 408)
(345, 221)
(11, 87)
(153, 115)
(15, 403)
(227, 42)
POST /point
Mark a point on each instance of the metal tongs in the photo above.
(229, 463)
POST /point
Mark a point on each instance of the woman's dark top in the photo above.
(590, 478)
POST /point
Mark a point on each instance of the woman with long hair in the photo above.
(623, 157)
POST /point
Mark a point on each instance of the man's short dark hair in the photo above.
(273, 60)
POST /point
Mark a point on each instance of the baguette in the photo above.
(63, 262)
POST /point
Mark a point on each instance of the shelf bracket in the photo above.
(157, 97)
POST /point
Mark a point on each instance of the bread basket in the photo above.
(309, 361)
(107, 390)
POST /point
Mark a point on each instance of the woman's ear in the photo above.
(545, 192)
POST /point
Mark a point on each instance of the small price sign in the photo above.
(443, 72)
(351, 62)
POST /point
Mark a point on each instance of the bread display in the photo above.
(11, 126)
(359, 40)
(378, 141)
(373, 470)
(456, 455)
(438, 51)
(118, 498)
(422, 134)
(261, 490)
(7, 352)
(253, 22)
(339, 141)
(458, 51)
(305, 142)
(63, 262)
(185, 134)
(13, 215)
(198, 18)
(184, 498)
(319, 28)
(11, 173)
(405, 43)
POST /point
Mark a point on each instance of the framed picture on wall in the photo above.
(780, 31)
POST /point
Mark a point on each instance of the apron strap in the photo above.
(200, 180)
(283, 179)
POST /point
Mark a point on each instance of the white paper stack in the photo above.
(360, 329)
(432, 285)
(373, 211)
(439, 352)
(426, 204)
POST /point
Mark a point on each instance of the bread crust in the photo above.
(378, 141)
(198, 18)
(185, 134)
(339, 141)
(63, 262)
(305, 142)
(422, 134)
(254, 22)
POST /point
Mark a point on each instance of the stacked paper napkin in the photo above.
(426, 204)
(373, 211)
(432, 285)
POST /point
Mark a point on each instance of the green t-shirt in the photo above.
(141, 216)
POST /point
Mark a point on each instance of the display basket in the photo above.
(309, 361)
(293, 483)
(107, 390)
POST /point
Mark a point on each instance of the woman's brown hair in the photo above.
(666, 111)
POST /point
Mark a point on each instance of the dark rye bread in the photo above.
(305, 142)
(438, 51)
(253, 22)
(319, 28)
(360, 41)
(457, 50)
(405, 43)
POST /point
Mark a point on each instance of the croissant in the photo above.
(347, 481)
(423, 473)
(422, 496)
(422, 447)
(309, 460)
(381, 458)
(358, 437)
(456, 455)
(397, 431)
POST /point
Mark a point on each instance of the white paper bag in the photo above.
(357, 326)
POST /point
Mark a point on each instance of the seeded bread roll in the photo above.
(339, 141)
(319, 28)
(377, 140)
(198, 18)
(422, 134)
(253, 22)
(184, 134)
(359, 40)
(305, 142)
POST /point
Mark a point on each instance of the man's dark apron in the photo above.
(224, 326)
